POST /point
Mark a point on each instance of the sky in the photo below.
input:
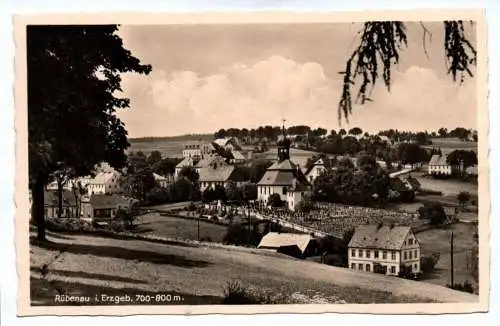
(207, 77)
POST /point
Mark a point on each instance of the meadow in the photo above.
(448, 145)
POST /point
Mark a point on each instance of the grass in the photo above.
(437, 240)
(181, 228)
(90, 265)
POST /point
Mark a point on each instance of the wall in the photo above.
(263, 192)
(371, 260)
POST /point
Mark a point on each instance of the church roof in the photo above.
(283, 165)
(283, 174)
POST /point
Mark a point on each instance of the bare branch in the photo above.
(426, 32)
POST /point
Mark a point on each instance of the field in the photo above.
(181, 228)
(447, 186)
(438, 241)
(448, 145)
(171, 147)
(199, 273)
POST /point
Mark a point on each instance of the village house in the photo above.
(315, 171)
(103, 207)
(208, 160)
(220, 174)
(197, 150)
(282, 177)
(186, 162)
(439, 166)
(163, 181)
(385, 249)
(291, 244)
(105, 182)
(230, 143)
(237, 157)
(51, 204)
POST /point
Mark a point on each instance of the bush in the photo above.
(428, 264)
(434, 212)
(275, 200)
(464, 287)
(68, 225)
(235, 293)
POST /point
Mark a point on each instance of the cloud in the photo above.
(236, 96)
(179, 102)
(419, 100)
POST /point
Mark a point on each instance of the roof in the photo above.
(277, 240)
(438, 160)
(399, 185)
(400, 172)
(414, 183)
(206, 161)
(219, 173)
(385, 237)
(160, 177)
(283, 174)
(51, 199)
(384, 138)
(104, 177)
(103, 201)
(297, 187)
(185, 162)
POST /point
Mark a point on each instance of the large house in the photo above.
(385, 249)
(438, 165)
(283, 178)
(197, 150)
(105, 182)
(51, 204)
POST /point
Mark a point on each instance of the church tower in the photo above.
(283, 146)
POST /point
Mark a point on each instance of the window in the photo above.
(284, 190)
(353, 266)
(367, 253)
(360, 253)
(411, 254)
(415, 267)
(384, 254)
(367, 266)
(353, 253)
(376, 253)
(360, 267)
(393, 269)
(405, 255)
(410, 241)
(416, 254)
(393, 255)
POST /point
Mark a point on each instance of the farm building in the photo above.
(291, 244)
(314, 172)
(220, 174)
(384, 249)
(163, 181)
(186, 162)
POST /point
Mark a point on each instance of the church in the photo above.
(283, 178)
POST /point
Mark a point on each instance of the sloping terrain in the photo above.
(198, 273)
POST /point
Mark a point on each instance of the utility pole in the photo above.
(451, 261)
(249, 222)
(199, 216)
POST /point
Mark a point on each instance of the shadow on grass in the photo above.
(122, 253)
(43, 293)
(80, 274)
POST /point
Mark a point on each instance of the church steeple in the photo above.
(283, 146)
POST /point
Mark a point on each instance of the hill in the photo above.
(198, 273)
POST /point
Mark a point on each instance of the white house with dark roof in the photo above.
(438, 165)
(220, 174)
(315, 171)
(230, 143)
(388, 247)
(197, 149)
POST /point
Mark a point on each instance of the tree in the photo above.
(411, 153)
(422, 138)
(257, 169)
(305, 204)
(181, 190)
(275, 200)
(443, 132)
(79, 190)
(434, 212)
(463, 197)
(458, 156)
(249, 191)
(153, 158)
(356, 131)
(73, 75)
(379, 49)
(233, 193)
(190, 173)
